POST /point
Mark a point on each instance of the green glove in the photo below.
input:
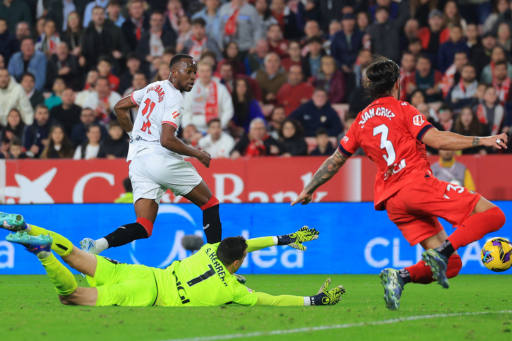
(295, 240)
(326, 296)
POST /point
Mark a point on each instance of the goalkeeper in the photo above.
(203, 279)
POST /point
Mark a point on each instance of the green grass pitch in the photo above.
(474, 308)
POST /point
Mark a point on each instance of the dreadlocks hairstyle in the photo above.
(381, 76)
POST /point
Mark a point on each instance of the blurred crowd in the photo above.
(275, 77)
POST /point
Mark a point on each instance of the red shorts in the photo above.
(415, 207)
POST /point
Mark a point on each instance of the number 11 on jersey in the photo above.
(148, 105)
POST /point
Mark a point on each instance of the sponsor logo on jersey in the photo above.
(219, 269)
(345, 139)
(175, 114)
(380, 111)
(159, 90)
(181, 290)
(418, 120)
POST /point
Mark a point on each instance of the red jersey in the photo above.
(390, 133)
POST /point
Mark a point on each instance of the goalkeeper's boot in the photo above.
(33, 244)
(438, 264)
(393, 286)
(88, 245)
(12, 222)
(241, 279)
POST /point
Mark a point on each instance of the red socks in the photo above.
(212, 202)
(477, 226)
(147, 224)
(421, 273)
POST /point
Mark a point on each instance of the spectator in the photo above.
(277, 118)
(363, 21)
(452, 74)
(207, 100)
(318, 113)
(415, 47)
(482, 55)
(286, 18)
(102, 38)
(451, 171)
(265, 14)
(501, 82)
(190, 135)
(255, 60)
(35, 96)
(407, 70)
(331, 80)
(276, 42)
(212, 19)
(311, 30)
(244, 32)
(472, 38)
(292, 142)
(184, 32)
(73, 33)
(35, 137)
(132, 66)
(64, 65)
(103, 100)
(90, 87)
(420, 9)
(271, 79)
(67, 113)
(104, 68)
(39, 27)
(28, 59)
(8, 44)
(490, 113)
(256, 143)
(391, 7)
(445, 115)
(430, 115)
(16, 150)
(12, 95)
(498, 54)
(501, 7)
(115, 144)
(505, 16)
(153, 41)
(384, 34)
(89, 10)
(311, 63)
(463, 93)
(410, 33)
(347, 43)
(226, 76)
(245, 107)
(467, 124)
(79, 132)
(330, 10)
(55, 98)
(200, 42)
(139, 82)
(14, 11)
(334, 27)
(22, 31)
(59, 146)
(447, 50)
(323, 145)
(174, 13)
(216, 142)
(114, 13)
(162, 73)
(49, 40)
(127, 197)
(365, 59)
(91, 148)
(232, 56)
(14, 127)
(426, 79)
(451, 15)
(295, 92)
(432, 37)
(294, 57)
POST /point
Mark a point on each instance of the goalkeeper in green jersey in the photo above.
(203, 279)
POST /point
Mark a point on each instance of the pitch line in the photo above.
(335, 326)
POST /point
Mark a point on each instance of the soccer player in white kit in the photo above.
(156, 156)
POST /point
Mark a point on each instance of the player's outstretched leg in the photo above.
(203, 198)
(393, 285)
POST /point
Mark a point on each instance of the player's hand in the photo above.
(497, 141)
(304, 197)
(204, 158)
(295, 240)
(326, 296)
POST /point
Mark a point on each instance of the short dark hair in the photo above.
(272, 25)
(97, 7)
(113, 124)
(132, 55)
(28, 74)
(208, 54)
(321, 131)
(41, 106)
(140, 73)
(231, 249)
(15, 141)
(104, 78)
(177, 58)
(213, 120)
(322, 90)
(382, 8)
(170, 50)
(92, 125)
(414, 41)
(315, 39)
(199, 21)
(469, 65)
(114, 3)
(104, 59)
(26, 38)
(381, 77)
(424, 56)
(501, 62)
(445, 107)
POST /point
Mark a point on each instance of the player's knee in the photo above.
(454, 266)
(498, 220)
(147, 225)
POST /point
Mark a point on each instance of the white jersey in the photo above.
(159, 103)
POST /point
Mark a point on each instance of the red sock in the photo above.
(421, 273)
(212, 202)
(477, 226)
(147, 224)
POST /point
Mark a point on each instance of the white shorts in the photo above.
(152, 174)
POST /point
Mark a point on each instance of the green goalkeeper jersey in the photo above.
(200, 280)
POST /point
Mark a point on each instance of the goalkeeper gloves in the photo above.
(295, 240)
(326, 296)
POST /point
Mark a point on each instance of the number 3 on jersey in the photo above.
(385, 143)
(149, 105)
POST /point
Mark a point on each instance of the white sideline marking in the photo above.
(335, 326)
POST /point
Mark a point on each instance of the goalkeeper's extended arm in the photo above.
(294, 240)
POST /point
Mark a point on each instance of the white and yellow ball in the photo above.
(497, 254)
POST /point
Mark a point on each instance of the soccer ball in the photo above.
(497, 254)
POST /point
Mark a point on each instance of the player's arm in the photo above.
(170, 141)
(450, 141)
(122, 110)
(295, 240)
(326, 171)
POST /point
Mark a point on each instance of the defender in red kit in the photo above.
(393, 134)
